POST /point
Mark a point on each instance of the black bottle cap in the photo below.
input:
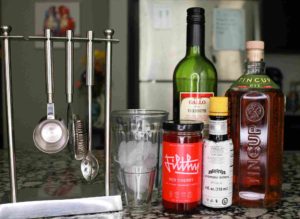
(182, 126)
(195, 15)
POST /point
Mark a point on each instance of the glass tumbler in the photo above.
(136, 143)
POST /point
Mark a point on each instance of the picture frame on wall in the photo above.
(59, 16)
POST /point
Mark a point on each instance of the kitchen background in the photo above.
(152, 35)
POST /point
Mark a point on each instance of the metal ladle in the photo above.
(50, 135)
(89, 165)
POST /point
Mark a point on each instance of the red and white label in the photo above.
(195, 106)
(182, 172)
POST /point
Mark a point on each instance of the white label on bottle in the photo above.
(217, 127)
(217, 174)
(195, 106)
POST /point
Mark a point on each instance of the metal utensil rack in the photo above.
(105, 203)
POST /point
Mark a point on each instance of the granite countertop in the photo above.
(44, 177)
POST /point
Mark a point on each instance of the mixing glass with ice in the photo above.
(136, 140)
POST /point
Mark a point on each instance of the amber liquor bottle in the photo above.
(256, 107)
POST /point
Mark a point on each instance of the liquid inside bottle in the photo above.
(195, 77)
(256, 106)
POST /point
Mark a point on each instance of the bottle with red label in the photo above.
(182, 166)
(195, 77)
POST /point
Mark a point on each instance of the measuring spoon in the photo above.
(50, 135)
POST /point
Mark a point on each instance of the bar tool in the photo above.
(64, 207)
(89, 165)
(5, 30)
(77, 140)
(50, 135)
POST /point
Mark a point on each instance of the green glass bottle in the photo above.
(195, 77)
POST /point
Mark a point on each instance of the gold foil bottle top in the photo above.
(255, 51)
(218, 106)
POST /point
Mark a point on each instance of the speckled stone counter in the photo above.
(44, 177)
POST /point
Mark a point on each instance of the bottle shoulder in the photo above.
(195, 64)
(254, 82)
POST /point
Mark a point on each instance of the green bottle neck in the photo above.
(194, 51)
(195, 40)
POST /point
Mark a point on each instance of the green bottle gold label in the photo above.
(255, 81)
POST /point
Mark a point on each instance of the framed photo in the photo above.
(59, 17)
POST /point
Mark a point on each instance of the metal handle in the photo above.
(90, 59)
(77, 39)
(89, 83)
(5, 30)
(50, 111)
(49, 66)
(108, 34)
(69, 66)
(12, 37)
